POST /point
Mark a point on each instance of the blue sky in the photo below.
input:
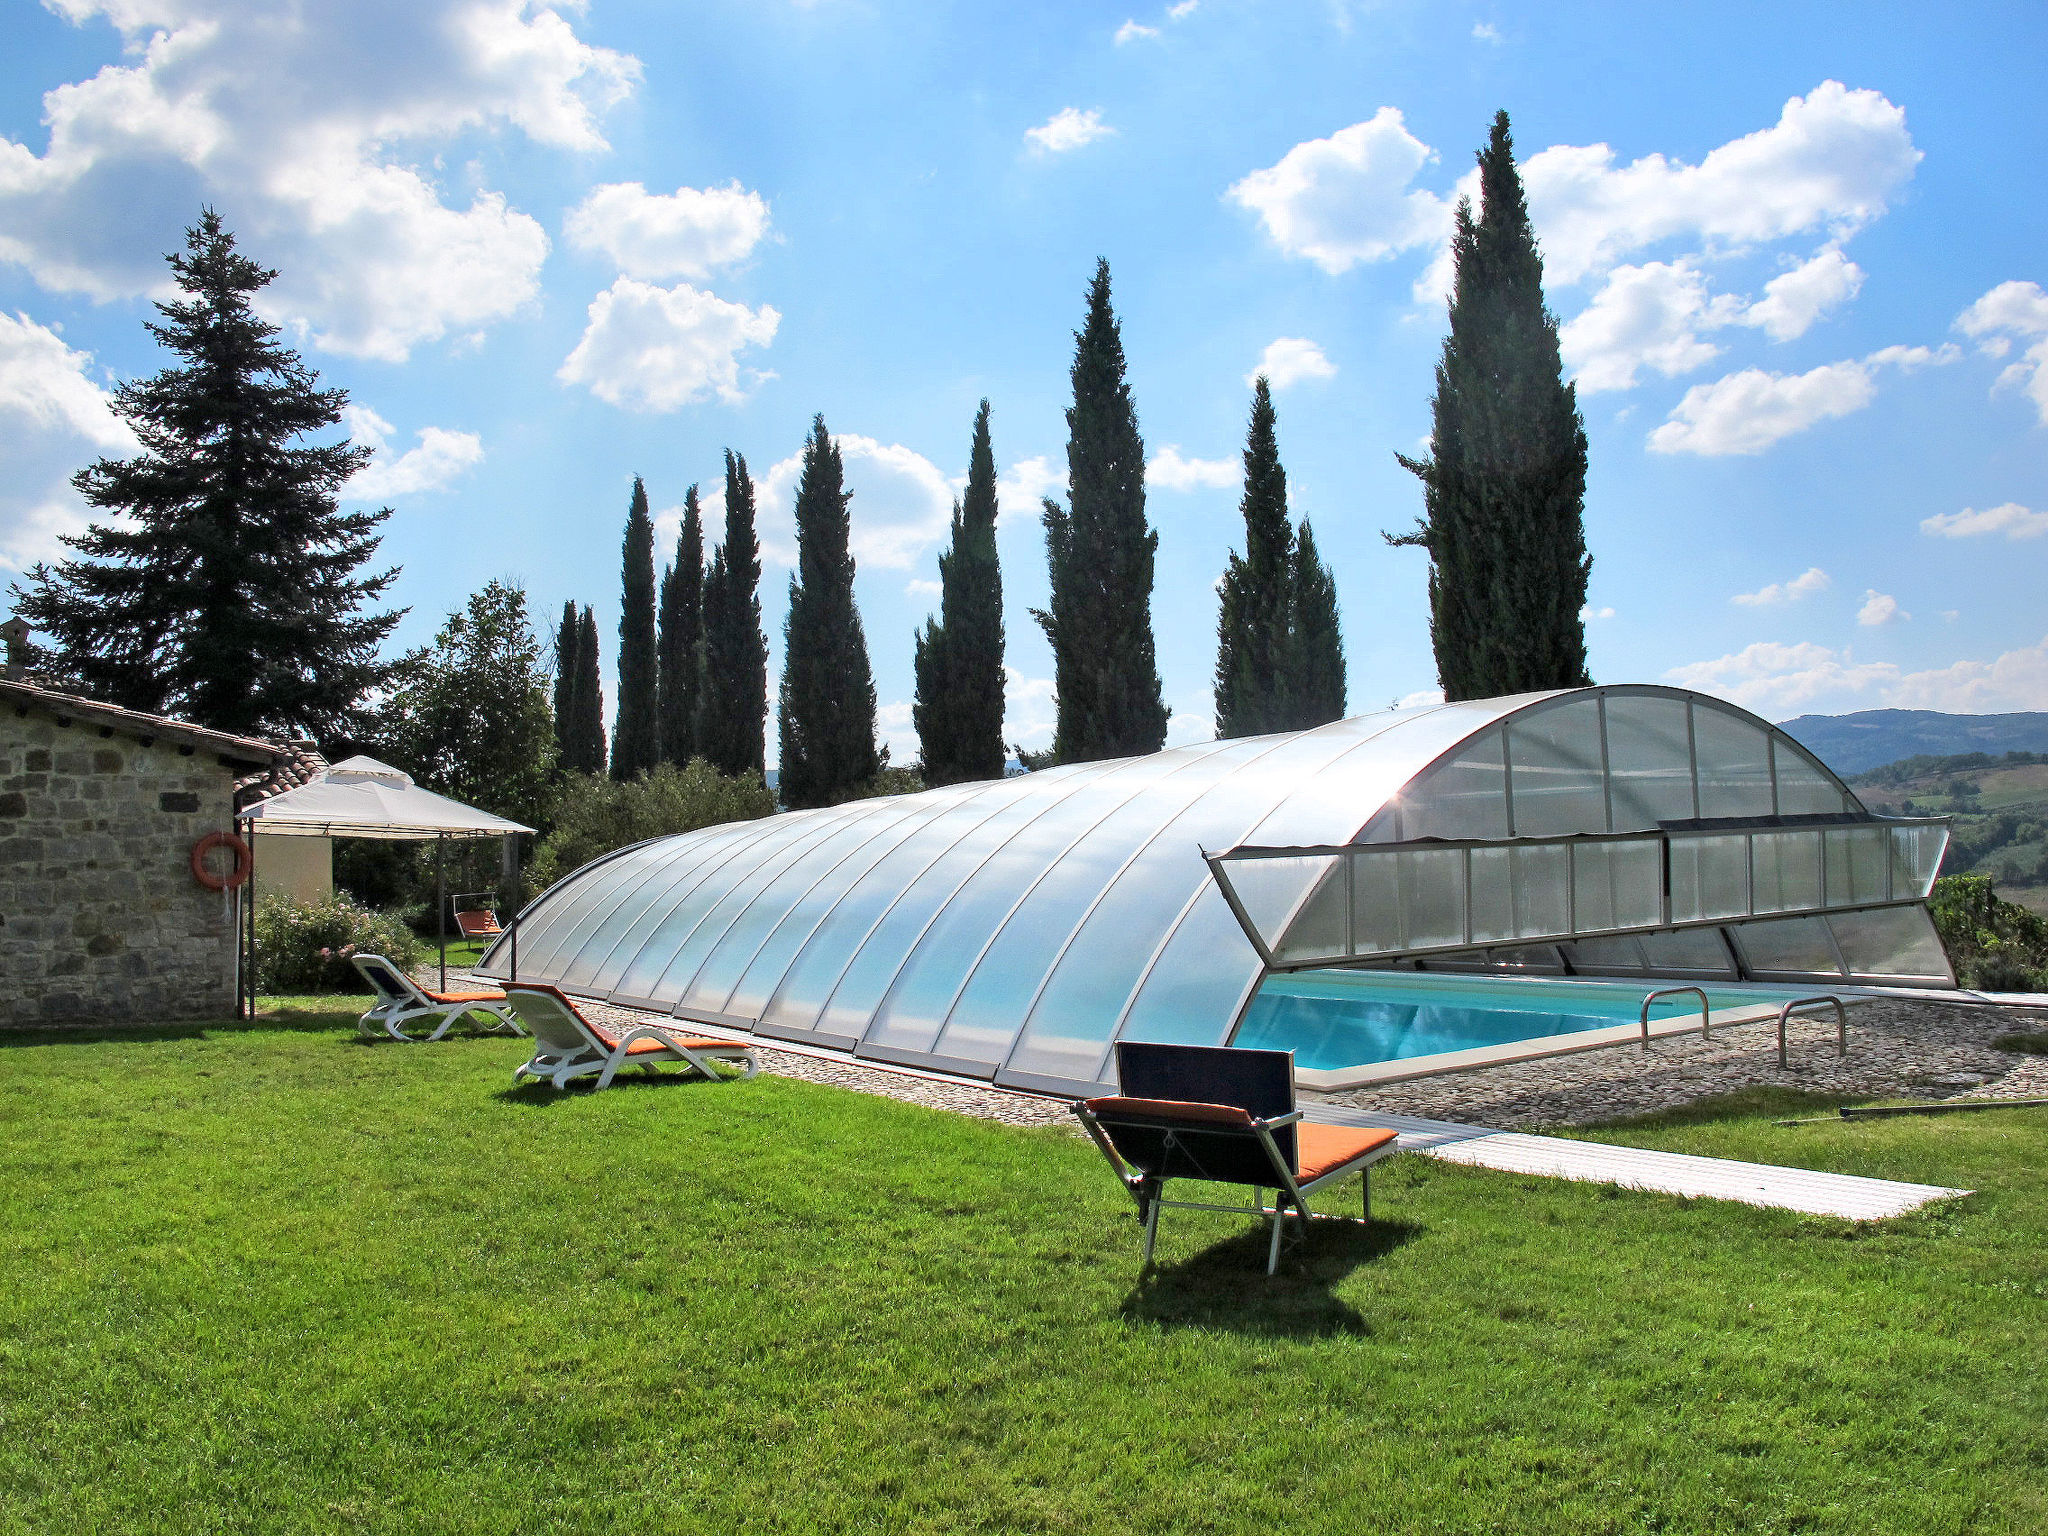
(1798, 253)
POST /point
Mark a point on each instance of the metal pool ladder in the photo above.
(1841, 1021)
(1698, 992)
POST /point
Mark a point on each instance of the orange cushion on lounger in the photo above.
(1172, 1109)
(465, 997)
(1328, 1147)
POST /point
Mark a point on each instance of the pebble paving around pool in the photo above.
(1897, 1049)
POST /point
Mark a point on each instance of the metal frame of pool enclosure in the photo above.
(1015, 929)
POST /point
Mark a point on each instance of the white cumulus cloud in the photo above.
(1132, 31)
(648, 348)
(1170, 471)
(442, 458)
(1778, 680)
(1645, 316)
(1747, 412)
(1290, 359)
(1879, 608)
(1069, 128)
(2010, 519)
(902, 504)
(1779, 592)
(324, 171)
(1021, 487)
(1346, 199)
(685, 233)
(54, 418)
(2014, 312)
(1794, 300)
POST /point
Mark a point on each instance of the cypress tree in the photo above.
(959, 656)
(1504, 485)
(587, 733)
(636, 732)
(682, 637)
(1255, 659)
(827, 732)
(1099, 553)
(227, 591)
(568, 670)
(732, 718)
(1315, 640)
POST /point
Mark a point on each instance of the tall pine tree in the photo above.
(827, 733)
(568, 670)
(682, 638)
(1504, 486)
(959, 656)
(732, 718)
(1254, 652)
(1099, 552)
(587, 730)
(636, 731)
(1315, 639)
(228, 592)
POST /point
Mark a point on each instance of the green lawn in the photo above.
(270, 1279)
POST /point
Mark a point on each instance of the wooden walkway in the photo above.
(1670, 1173)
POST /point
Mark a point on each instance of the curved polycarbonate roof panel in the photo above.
(1015, 929)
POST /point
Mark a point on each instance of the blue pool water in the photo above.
(1337, 1019)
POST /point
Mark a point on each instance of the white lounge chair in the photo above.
(567, 1045)
(400, 1000)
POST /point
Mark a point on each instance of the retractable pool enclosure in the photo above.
(1015, 929)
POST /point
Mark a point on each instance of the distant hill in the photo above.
(1870, 738)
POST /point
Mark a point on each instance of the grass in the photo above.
(268, 1279)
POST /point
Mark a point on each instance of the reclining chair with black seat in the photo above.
(1227, 1116)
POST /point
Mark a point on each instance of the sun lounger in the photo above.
(568, 1045)
(400, 1000)
(1227, 1116)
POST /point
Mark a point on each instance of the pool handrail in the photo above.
(1706, 1032)
(1841, 1021)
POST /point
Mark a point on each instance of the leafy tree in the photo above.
(595, 814)
(1254, 632)
(732, 717)
(959, 656)
(1099, 549)
(1504, 485)
(636, 732)
(470, 717)
(1316, 693)
(828, 691)
(681, 644)
(227, 590)
(568, 669)
(586, 731)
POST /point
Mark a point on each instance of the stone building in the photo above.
(101, 918)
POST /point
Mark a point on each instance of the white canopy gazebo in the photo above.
(361, 797)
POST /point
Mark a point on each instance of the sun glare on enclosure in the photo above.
(1015, 929)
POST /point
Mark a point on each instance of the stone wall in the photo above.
(101, 921)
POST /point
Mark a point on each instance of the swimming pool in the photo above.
(1351, 1027)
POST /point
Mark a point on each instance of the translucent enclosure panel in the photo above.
(1620, 956)
(1432, 897)
(1787, 946)
(1555, 782)
(1856, 864)
(796, 925)
(1649, 761)
(1689, 952)
(647, 927)
(716, 980)
(1493, 896)
(1916, 858)
(1465, 798)
(646, 879)
(799, 999)
(1785, 870)
(1617, 885)
(565, 919)
(980, 986)
(1734, 764)
(1891, 942)
(1803, 789)
(1320, 927)
(667, 972)
(1709, 877)
(1539, 879)
(1271, 891)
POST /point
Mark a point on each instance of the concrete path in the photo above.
(1671, 1173)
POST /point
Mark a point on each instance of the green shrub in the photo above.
(306, 947)
(596, 814)
(1996, 946)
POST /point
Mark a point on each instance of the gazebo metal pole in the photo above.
(441, 900)
(249, 901)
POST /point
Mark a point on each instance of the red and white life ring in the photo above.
(237, 875)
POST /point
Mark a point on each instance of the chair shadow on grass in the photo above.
(1225, 1286)
(540, 1093)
